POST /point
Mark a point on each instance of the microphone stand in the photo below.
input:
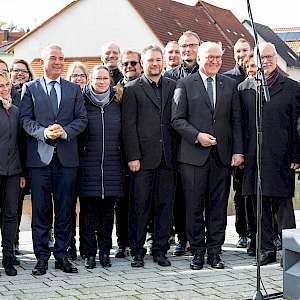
(262, 92)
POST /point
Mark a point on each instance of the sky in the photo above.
(274, 13)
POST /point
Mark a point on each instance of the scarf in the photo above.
(273, 77)
(102, 98)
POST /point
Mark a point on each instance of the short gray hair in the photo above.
(263, 45)
(205, 46)
(110, 44)
(48, 48)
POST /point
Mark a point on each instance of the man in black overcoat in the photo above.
(150, 150)
(280, 148)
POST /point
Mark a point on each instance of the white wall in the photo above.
(83, 28)
(294, 73)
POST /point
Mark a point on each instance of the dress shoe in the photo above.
(40, 267)
(267, 258)
(242, 242)
(104, 260)
(251, 252)
(72, 253)
(65, 265)
(197, 262)
(138, 261)
(179, 249)
(120, 253)
(90, 262)
(161, 260)
(8, 266)
(16, 261)
(215, 261)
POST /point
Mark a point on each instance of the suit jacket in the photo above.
(147, 132)
(193, 113)
(280, 142)
(36, 114)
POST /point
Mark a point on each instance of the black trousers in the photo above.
(206, 187)
(121, 211)
(60, 182)
(97, 224)
(9, 196)
(151, 189)
(283, 209)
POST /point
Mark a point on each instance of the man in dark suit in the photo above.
(149, 146)
(206, 113)
(52, 114)
(280, 149)
(244, 215)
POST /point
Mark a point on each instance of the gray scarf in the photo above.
(102, 98)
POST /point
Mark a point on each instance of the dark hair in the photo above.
(152, 48)
(130, 52)
(3, 62)
(246, 61)
(24, 62)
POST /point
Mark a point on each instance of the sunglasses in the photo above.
(132, 63)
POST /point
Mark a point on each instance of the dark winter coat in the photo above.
(280, 144)
(101, 171)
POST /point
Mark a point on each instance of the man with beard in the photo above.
(110, 53)
(280, 155)
(150, 152)
(172, 55)
(206, 113)
(243, 208)
(131, 69)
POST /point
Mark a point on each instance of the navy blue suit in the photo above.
(52, 163)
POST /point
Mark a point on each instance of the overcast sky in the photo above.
(274, 13)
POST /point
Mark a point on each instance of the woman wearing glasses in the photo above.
(77, 73)
(10, 172)
(101, 171)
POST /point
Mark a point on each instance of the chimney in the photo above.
(5, 36)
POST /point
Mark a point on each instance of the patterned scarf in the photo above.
(273, 77)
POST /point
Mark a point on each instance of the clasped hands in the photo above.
(54, 132)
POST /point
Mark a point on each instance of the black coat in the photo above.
(10, 162)
(236, 73)
(147, 132)
(280, 144)
(101, 171)
(192, 113)
(181, 71)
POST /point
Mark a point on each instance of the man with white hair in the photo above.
(206, 113)
(280, 148)
(110, 54)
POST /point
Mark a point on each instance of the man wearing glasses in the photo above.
(206, 113)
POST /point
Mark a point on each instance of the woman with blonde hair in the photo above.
(77, 73)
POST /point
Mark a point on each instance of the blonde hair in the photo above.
(73, 66)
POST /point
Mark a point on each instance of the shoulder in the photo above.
(133, 83)
(168, 80)
(172, 73)
(226, 79)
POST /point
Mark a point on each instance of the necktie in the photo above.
(53, 97)
(210, 90)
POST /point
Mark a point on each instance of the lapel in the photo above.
(277, 87)
(165, 92)
(203, 92)
(43, 94)
(148, 90)
(63, 93)
(219, 92)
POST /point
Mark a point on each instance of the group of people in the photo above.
(152, 138)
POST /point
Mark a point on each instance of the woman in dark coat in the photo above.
(280, 148)
(10, 172)
(101, 172)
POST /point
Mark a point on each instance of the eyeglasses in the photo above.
(23, 71)
(78, 76)
(189, 45)
(211, 58)
(101, 78)
(132, 63)
(267, 57)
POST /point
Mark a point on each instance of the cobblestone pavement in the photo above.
(236, 281)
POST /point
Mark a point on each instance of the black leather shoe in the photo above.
(179, 249)
(215, 261)
(162, 260)
(242, 242)
(104, 260)
(120, 253)
(267, 258)
(138, 261)
(90, 262)
(40, 267)
(72, 253)
(197, 262)
(65, 265)
(8, 266)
